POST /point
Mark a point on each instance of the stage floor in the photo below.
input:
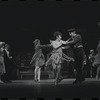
(90, 88)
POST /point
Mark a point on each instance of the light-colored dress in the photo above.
(97, 57)
(2, 65)
(57, 54)
(38, 58)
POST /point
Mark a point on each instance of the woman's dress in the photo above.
(2, 64)
(97, 57)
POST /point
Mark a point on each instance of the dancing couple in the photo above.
(57, 55)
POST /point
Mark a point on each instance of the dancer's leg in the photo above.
(39, 72)
(98, 72)
(35, 72)
(58, 68)
(0, 79)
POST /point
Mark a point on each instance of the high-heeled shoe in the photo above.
(97, 78)
(56, 82)
(60, 79)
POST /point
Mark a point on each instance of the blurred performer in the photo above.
(78, 53)
(96, 62)
(38, 60)
(84, 68)
(57, 56)
(2, 65)
(7, 59)
(91, 60)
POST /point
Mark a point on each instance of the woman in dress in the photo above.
(2, 65)
(57, 56)
(38, 60)
(96, 62)
(92, 70)
(8, 66)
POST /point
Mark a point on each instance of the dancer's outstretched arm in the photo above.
(65, 59)
(75, 40)
(45, 46)
(66, 47)
(63, 42)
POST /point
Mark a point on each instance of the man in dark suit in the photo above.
(11, 71)
(76, 43)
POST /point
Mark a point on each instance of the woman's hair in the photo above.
(2, 44)
(36, 43)
(7, 46)
(57, 33)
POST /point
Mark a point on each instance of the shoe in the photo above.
(97, 78)
(1, 81)
(76, 82)
(38, 80)
(56, 82)
(60, 79)
(83, 79)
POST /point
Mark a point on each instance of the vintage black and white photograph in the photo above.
(50, 49)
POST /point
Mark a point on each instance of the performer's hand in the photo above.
(63, 47)
(10, 57)
(66, 47)
(73, 59)
(67, 42)
(84, 62)
(68, 60)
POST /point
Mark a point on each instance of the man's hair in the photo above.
(57, 33)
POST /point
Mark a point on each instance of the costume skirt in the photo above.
(2, 65)
(96, 60)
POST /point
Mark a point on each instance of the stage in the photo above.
(90, 88)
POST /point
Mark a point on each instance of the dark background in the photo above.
(22, 22)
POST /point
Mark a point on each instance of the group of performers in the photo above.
(56, 58)
(57, 55)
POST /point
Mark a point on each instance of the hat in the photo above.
(71, 30)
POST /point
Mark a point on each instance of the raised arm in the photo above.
(45, 46)
(63, 42)
(8, 54)
(65, 47)
(75, 40)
